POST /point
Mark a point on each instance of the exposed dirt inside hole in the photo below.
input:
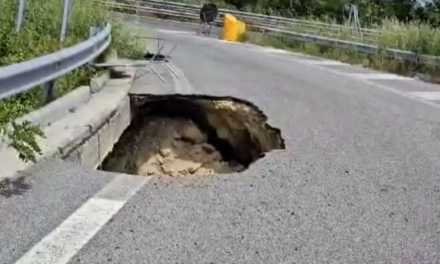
(192, 135)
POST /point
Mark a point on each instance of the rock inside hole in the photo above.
(192, 135)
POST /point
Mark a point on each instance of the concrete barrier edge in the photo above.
(66, 104)
(84, 136)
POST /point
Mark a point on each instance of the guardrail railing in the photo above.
(25, 76)
(22, 77)
(252, 19)
(273, 27)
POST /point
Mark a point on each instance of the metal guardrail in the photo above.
(191, 12)
(22, 77)
(358, 47)
(305, 26)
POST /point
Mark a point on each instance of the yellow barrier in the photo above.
(241, 28)
(232, 28)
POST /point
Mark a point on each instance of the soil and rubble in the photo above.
(180, 136)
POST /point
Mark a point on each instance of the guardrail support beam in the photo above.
(48, 92)
(19, 22)
(65, 19)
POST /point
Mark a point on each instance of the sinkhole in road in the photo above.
(179, 135)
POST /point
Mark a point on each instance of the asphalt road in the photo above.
(359, 181)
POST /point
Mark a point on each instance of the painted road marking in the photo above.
(274, 50)
(176, 31)
(321, 62)
(380, 86)
(181, 82)
(306, 61)
(68, 238)
(431, 96)
(366, 81)
(379, 76)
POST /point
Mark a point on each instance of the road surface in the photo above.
(359, 181)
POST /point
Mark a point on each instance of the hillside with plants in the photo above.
(40, 35)
(371, 12)
(409, 25)
(401, 24)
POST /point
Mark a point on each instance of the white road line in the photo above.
(371, 83)
(384, 87)
(379, 76)
(431, 96)
(317, 63)
(321, 62)
(274, 50)
(199, 37)
(181, 82)
(305, 61)
(68, 238)
(175, 31)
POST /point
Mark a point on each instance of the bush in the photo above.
(413, 37)
(40, 35)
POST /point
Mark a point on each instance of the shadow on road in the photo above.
(17, 186)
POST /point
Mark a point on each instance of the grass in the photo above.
(419, 38)
(391, 34)
(414, 37)
(40, 35)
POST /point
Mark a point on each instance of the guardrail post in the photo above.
(19, 21)
(65, 19)
(138, 4)
(48, 91)
(69, 9)
(92, 32)
(48, 94)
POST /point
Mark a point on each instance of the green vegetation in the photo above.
(399, 24)
(40, 35)
(371, 12)
(403, 24)
(393, 35)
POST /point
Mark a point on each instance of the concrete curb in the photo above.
(85, 135)
(66, 104)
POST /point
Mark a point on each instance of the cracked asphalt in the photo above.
(359, 180)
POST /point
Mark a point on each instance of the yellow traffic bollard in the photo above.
(230, 28)
(241, 28)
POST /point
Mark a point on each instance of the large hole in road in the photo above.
(192, 135)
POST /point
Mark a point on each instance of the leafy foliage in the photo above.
(402, 24)
(40, 35)
(23, 138)
(372, 12)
